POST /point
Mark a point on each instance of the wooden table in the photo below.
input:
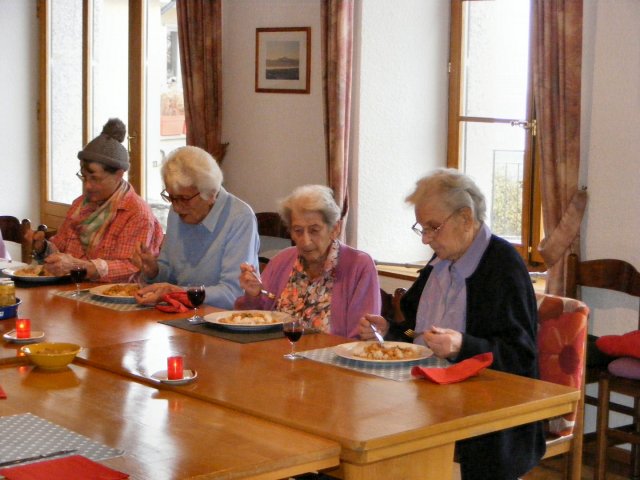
(387, 429)
(165, 435)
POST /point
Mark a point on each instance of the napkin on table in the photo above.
(3, 395)
(75, 466)
(455, 373)
(178, 302)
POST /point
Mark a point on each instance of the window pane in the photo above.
(165, 126)
(110, 66)
(493, 155)
(496, 57)
(65, 92)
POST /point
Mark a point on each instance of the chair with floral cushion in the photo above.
(562, 333)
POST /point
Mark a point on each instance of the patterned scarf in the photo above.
(310, 300)
(92, 221)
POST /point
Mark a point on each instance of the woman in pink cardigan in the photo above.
(325, 282)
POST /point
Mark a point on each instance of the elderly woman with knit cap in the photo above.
(107, 222)
(321, 280)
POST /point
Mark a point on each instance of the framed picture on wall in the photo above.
(283, 60)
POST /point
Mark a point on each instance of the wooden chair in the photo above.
(619, 276)
(13, 231)
(390, 305)
(271, 225)
(562, 334)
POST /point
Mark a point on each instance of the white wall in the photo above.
(19, 195)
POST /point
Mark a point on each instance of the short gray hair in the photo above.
(192, 167)
(454, 188)
(311, 198)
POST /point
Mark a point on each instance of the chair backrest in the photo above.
(270, 224)
(13, 231)
(562, 334)
(390, 305)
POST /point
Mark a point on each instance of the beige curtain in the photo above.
(556, 86)
(199, 31)
(337, 53)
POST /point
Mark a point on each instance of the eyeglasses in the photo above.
(89, 178)
(432, 231)
(171, 199)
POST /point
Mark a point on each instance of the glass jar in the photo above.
(7, 293)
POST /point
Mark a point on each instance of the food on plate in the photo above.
(249, 318)
(121, 290)
(32, 271)
(375, 351)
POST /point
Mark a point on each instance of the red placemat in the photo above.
(75, 466)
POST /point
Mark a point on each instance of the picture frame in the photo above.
(283, 60)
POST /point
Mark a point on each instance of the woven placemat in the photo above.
(115, 304)
(400, 371)
(221, 332)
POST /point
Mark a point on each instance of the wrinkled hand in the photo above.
(364, 328)
(444, 342)
(36, 239)
(152, 294)
(145, 261)
(60, 263)
(249, 280)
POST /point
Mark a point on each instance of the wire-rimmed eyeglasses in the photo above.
(429, 230)
(171, 199)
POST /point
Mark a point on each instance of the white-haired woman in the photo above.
(325, 282)
(474, 296)
(210, 232)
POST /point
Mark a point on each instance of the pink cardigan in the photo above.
(356, 289)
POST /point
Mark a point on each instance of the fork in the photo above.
(411, 334)
(270, 295)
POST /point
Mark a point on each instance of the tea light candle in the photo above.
(175, 368)
(23, 328)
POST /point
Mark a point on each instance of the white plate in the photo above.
(348, 350)
(11, 264)
(189, 376)
(25, 278)
(36, 335)
(216, 318)
(100, 289)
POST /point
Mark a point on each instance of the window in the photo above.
(491, 121)
(108, 58)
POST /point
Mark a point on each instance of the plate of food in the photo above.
(242, 320)
(389, 352)
(116, 292)
(32, 273)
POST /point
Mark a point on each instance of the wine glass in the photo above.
(196, 296)
(293, 329)
(77, 274)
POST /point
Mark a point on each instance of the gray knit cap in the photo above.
(107, 147)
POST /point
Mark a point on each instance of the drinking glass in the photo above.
(293, 329)
(77, 274)
(196, 296)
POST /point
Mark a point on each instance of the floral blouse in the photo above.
(310, 300)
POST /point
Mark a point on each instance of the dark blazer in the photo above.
(501, 318)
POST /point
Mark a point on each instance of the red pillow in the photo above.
(627, 345)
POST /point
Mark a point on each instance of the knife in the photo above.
(36, 457)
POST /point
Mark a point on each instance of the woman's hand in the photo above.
(364, 326)
(444, 342)
(152, 294)
(37, 240)
(145, 261)
(59, 264)
(249, 280)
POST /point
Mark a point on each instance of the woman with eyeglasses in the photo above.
(322, 281)
(210, 232)
(107, 222)
(474, 296)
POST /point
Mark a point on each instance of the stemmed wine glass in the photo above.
(196, 296)
(77, 274)
(293, 328)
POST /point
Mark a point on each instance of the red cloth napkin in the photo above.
(455, 373)
(75, 466)
(178, 302)
(2, 394)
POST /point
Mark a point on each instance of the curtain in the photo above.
(337, 53)
(556, 90)
(199, 31)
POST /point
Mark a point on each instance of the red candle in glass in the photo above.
(23, 328)
(175, 368)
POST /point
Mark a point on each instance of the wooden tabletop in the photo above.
(164, 435)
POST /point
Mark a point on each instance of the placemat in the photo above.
(28, 435)
(394, 371)
(87, 297)
(221, 332)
